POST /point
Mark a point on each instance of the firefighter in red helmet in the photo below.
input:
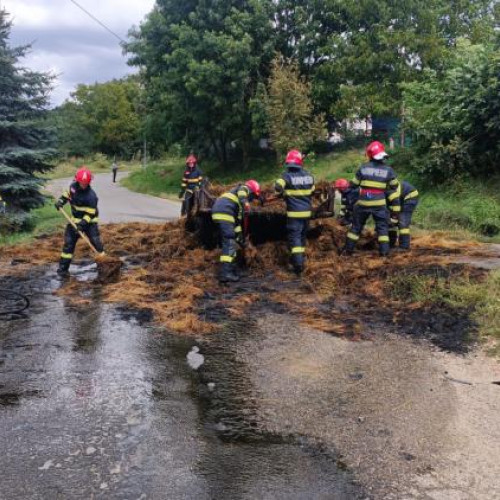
(191, 183)
(379, 192)
(83, 201)
(228, 212)
(296, 186)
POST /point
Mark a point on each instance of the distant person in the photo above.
(379, 192)
(401, 227)
(296, 186)
(114, 168)
(228, 212)
(83, 201)
(191, 182)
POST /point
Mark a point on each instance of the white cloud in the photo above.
(69, 43)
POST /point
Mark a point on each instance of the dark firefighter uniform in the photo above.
(377, 183)
(228, 212)
(408, 203)
(191, 182)
(348, 199)
(84, 213)
(296, 186)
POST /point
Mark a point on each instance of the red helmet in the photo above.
(84, 175)
(191, 160)
(341, 184)
(294, 157)
(376, 151)
(253, 186)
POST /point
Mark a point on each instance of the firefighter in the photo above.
(83, 201)
(408, 203)
(296, 186)
(349, 195)
(379, 192)
(191, 182)
(229, 212)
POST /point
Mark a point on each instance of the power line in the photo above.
(97, 21)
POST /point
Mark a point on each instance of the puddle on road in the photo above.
(105, 405)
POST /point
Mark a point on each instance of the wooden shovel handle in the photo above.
(82, 235)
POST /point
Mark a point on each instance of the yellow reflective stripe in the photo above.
(393, 196)
(66, 255)
(226, 258)
(195, 179)
(87, 218)
(383, 239)
(238, 229)
(355, 181)
(65, 194)
(298, 249)
(395, 208)
(412, 194)
(281, 182)
(353, 236)
(183, 185)
(374, 203)
(394, 183)
(88, 210)
(243, 192)
(223, 217)
(299, 215)
(231, 196)
(405, 230)
(373, 184)
(299, 192)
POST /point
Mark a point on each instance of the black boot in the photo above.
(63, 268)
(227, 273)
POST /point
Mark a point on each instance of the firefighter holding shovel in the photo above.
(83, 201)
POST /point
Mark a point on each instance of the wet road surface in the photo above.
(118, 204)
(94, 403)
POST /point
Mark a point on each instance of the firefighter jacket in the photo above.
(296, 185)
(83, 203)
(378, 182)
(192, 179)
(408, 192)
(348, 199)
(230, 206)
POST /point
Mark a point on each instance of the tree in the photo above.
(103, 117)
(292, 122)
(203, 63)
(25, 140)
(453, 116)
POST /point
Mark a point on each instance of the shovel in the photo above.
(108, 268)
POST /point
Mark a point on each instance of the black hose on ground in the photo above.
(12, 302)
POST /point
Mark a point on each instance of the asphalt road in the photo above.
(118, 204)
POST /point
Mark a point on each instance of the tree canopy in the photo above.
(26, 142)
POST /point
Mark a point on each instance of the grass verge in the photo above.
(480, 297)
(46, 220)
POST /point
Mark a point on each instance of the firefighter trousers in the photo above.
(296, 234)
(359, 218)
(402, 228)
(228, 241)
(71, 236)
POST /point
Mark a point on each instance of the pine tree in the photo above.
(25, 139)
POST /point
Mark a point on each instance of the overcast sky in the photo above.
(67, 42)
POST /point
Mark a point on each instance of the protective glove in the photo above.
(82, 225)
(394, 217)
(59, 204)
(181, 194)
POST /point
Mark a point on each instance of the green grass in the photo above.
(461, 292)
(45, 220)
(164, 178)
